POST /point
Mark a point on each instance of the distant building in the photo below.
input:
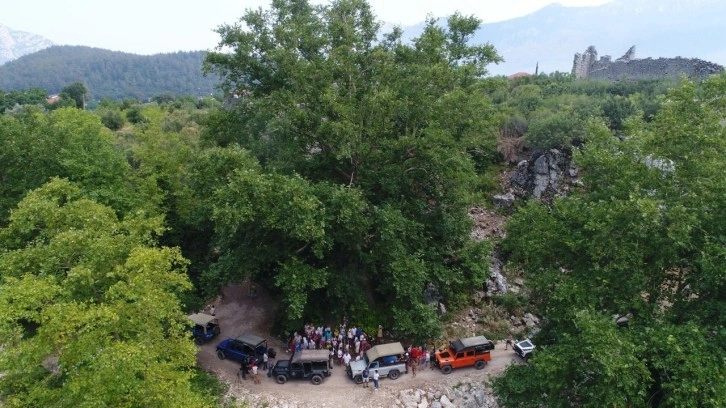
(518, 75)
(588, 66)
(53, 99)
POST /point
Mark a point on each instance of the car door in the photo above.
(297, 370)
(234, 351)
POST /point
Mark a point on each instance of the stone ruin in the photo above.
(588, 66)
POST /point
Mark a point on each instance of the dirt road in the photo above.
(239, 313)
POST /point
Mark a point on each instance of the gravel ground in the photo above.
(239, 313)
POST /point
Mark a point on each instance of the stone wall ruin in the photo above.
(588, 66)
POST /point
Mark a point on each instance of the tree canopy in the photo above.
(641, 240)
(90, 307)
(378, 143)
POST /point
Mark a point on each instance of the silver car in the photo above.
(388, 359)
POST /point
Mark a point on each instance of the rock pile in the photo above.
(462, 395)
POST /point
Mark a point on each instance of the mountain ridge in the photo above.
(110, 74)
(15, 44)
(549, 37)
(546, 40)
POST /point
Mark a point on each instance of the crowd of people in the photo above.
(348, 344)
(344, 343)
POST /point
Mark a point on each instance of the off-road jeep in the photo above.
(203, 328)
(467, 352)
(304, 364)
(388, 359)
(524, 348)
(244, 348)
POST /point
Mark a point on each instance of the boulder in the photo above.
(445, 402)
(503, 200)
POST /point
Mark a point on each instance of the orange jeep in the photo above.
(471, 351)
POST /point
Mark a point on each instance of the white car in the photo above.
(524, 348)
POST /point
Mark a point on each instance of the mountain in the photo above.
(109, 74)
(551, 36)
(15, 44)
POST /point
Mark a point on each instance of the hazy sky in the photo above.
(154, 26)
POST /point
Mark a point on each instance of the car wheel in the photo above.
(316, 380)
(527, 356)
(221, 355)
(281, 379)
(480, 364)
(394, 374)
(358, 379)
(446, 369)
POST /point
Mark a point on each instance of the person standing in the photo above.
(379, 335)
(244, 369)
(213, 310)
(346, 359)
(255, 377)
(265, 360)
(364, 375)
(375, 380)
(508, 344)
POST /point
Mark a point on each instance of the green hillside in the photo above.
(109, 74)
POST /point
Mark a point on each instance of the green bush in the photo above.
(113, 119)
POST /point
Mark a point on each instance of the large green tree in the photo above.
(90, 309)
(317, 95)
(35, 146)
(644, 238)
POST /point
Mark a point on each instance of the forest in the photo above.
(109, 74)
(337, 171)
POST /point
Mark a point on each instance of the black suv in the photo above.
(304, 364)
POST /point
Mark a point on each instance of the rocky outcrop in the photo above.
(548, 175)
(587, 65)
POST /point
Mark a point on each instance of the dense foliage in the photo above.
(643, 239)
(367, 152)
(338, 173)
(109, 74)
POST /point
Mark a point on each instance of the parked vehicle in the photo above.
(204, 327)
(388, 359)
(244, 348)
(467, 352)
(524, 348)
(304, 364)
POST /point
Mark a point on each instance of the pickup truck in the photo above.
(466, 352)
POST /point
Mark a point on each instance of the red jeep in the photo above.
(471, 351)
